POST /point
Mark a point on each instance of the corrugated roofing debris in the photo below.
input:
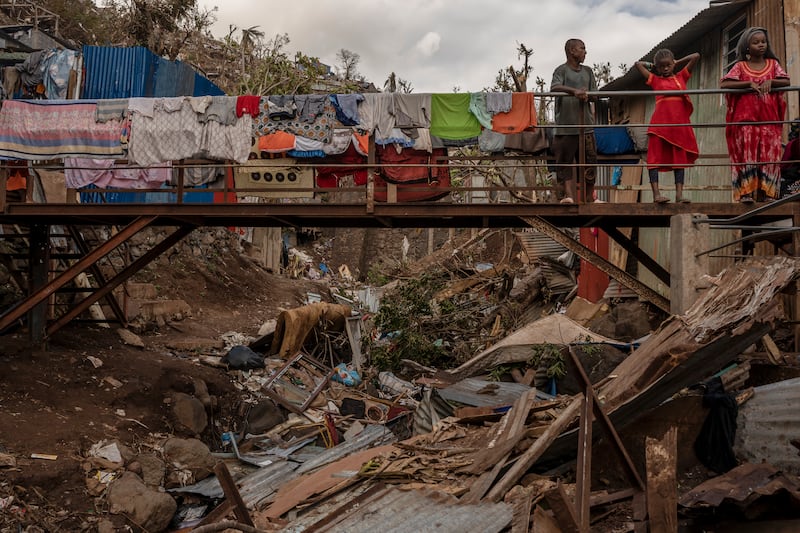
(767, 423)
(743, 485)
(482, 393)
(373, 435)
(546, 252)
(414, 511)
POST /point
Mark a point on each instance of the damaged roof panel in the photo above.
(421, 510)
(766, 424)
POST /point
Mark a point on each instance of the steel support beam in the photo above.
(111, 300)
(630, 247)
(120, 278)
(601, 263)
(40, 295)
(39, 272)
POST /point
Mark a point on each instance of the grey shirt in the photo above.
(568, 107)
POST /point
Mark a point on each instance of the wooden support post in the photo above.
(796, 299)
(662, 483)
(371, 175)
(583, 483)
(3, 184)
(181, 177)
(39, 269)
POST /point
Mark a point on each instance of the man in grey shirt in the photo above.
(577, 80)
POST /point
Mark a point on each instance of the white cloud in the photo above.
(464, 43)
(429, 44)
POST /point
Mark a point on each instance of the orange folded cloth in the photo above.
(280, 141)
(521, 116)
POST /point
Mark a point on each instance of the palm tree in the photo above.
(250, 37)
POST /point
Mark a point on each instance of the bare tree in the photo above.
(348, 65)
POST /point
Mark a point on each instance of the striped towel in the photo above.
(52, 129)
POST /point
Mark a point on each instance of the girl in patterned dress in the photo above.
(671, 144)
(755, 147)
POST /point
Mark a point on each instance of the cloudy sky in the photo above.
(439, 45)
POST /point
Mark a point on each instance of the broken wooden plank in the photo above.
(532, 454)
(543, 522)
(522, 505)
(232, 494)
(773, 352)
(511, 432)
(662, 483)
(563, 510)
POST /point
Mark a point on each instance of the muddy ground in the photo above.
(57, 402)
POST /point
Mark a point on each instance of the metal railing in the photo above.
(470, 176)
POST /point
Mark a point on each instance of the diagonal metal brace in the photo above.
(602, 264)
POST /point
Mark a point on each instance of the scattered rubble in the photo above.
(463, 403)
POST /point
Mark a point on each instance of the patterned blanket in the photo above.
(54, 129)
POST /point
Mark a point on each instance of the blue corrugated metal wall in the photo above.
(137, 72)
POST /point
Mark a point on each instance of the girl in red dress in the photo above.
(755, 148)
(671, 144)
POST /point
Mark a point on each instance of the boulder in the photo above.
(150, 509)
(189, 455)
(189, 412)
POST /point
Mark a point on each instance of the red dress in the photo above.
(668, 146)
(755, 149)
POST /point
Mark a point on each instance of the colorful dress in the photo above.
(755, 149)
(669, 146)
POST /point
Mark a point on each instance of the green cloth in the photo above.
(451, 118)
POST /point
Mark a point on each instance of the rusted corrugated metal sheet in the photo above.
(413, 511)
(743, 486)
(766, 424)
(136, 72)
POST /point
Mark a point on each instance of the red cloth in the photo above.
(403, 172)
(328, 177)
(757, 143)
(670, 147)
(248, 104)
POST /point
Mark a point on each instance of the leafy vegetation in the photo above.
(550, 356)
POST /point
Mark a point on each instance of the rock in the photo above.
(195, 344)
(190, 455)
(189, 412)
(153, 470)
(625, 322)
(201, 393)
(146, 507)
(135, 467)
(264, 416)
(268, 327)
(105, 526)
(130, 338)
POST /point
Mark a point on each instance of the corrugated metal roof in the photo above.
(117, 72)
(482, 393)
(137, 72)
(766, 424)
(418, 510)
(691, 32)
